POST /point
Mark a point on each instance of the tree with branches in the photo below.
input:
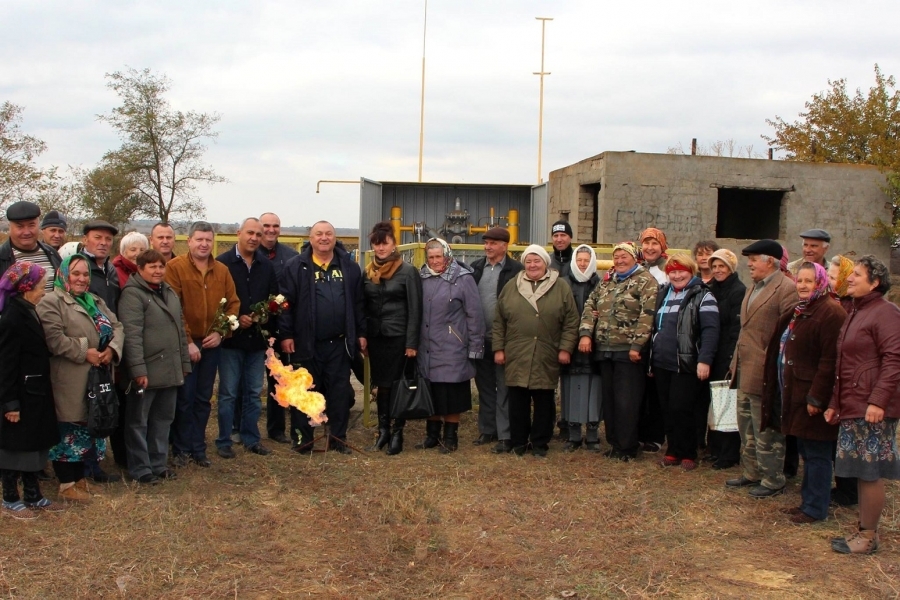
(20, 178)
(162, 148)
(837, 127)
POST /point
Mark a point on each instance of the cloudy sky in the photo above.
(330, 90)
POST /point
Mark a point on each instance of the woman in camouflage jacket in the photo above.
(616, 325)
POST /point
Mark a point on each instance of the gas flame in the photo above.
(292, 388)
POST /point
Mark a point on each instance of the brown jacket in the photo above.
(809, 357)
(868, 362)
(70, 332)
(757, 324)
(201, 293)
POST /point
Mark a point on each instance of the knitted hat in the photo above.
(539, 250)
(562, 227)
(54, 219)
(726, 256)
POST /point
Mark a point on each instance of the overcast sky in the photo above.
(330, 90)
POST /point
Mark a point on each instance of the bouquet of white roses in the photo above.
(223, 324)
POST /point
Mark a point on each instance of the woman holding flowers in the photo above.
(81, 332)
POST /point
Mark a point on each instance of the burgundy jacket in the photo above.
(809, 355)
(868, 363)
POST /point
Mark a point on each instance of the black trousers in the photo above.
(652, 425)
(623, 384)
(701, 413)
(68, 472)
(275, 419)
(522, 428)
(791, 456)
(330, 368)
(725, 446)
(678, 398)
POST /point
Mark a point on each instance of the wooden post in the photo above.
(693, 146)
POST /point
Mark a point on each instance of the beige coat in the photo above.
(70, 332)
(757, 326)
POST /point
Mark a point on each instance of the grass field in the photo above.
(426, 525)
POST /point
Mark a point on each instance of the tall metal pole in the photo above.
(543, 21)
(422, 107)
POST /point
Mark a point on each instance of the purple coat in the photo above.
(452, 325)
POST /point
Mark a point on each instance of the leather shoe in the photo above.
(740, 482)
(148, 478)
(280, 438)
(762, 491)
(259, 449)
(485, 438)
(801, 518)
(200, 460)
(226, 452)
(502, 447)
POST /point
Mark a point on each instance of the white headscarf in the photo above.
(591, 268)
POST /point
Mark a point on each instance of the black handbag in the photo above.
(411, 397)
(102, 401)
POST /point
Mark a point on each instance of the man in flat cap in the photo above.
(773, 294)
(53, 229)
(492, 273)
(815, 245)
(24, 242)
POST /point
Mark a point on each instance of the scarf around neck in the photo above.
(383, 269)
(86, 299)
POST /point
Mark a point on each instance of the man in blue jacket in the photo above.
(323, 328)
(243, 358)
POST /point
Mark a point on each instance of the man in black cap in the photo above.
(815, 245)
(561, 259)
(772, 295)
(492, 273)
(96, 245)
(53, 229)
(24, 241)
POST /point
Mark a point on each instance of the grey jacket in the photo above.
(155, 342)
(70, 332)
(452, 325)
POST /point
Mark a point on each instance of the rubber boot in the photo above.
(592, 437)
(432, 435)
(396, 444)
(451, 438)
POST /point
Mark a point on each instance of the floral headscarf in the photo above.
(821, 289)
(85, 299)
(19, 278)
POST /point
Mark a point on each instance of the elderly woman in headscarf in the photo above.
(81, 332)
(800, 364)
(839, 269)
(27, 418)
(580, 380)
(535, 330)
(393, 307)
(452, 337)
(616, 324)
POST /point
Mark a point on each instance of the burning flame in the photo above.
(292, 388)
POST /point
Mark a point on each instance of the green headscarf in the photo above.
(85, 299)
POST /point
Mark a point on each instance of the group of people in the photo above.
(812, 349)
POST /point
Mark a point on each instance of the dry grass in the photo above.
(422, 525)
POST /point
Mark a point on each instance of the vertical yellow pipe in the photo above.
(513, 226)
(396, 218)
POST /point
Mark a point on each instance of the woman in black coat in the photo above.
(725, 447)
(27, 415)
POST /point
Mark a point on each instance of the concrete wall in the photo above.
(679, 194)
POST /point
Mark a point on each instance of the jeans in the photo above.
(240, 379)
(148, 417)
(815, 491)
(192, 406)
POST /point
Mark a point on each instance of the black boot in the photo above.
(451, 438)
(432, 435)
(384, 433)
(396, 446)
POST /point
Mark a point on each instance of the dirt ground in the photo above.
(426, 525)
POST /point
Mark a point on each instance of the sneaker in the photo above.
(259, 449)
(669, 461)
(45, 504)
(18, 510)
(225, 452)
(688, 464)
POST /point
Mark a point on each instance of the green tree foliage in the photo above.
(838, 127)
(20, 178)
(162, 148)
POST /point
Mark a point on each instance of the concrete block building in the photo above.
(612, 196)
